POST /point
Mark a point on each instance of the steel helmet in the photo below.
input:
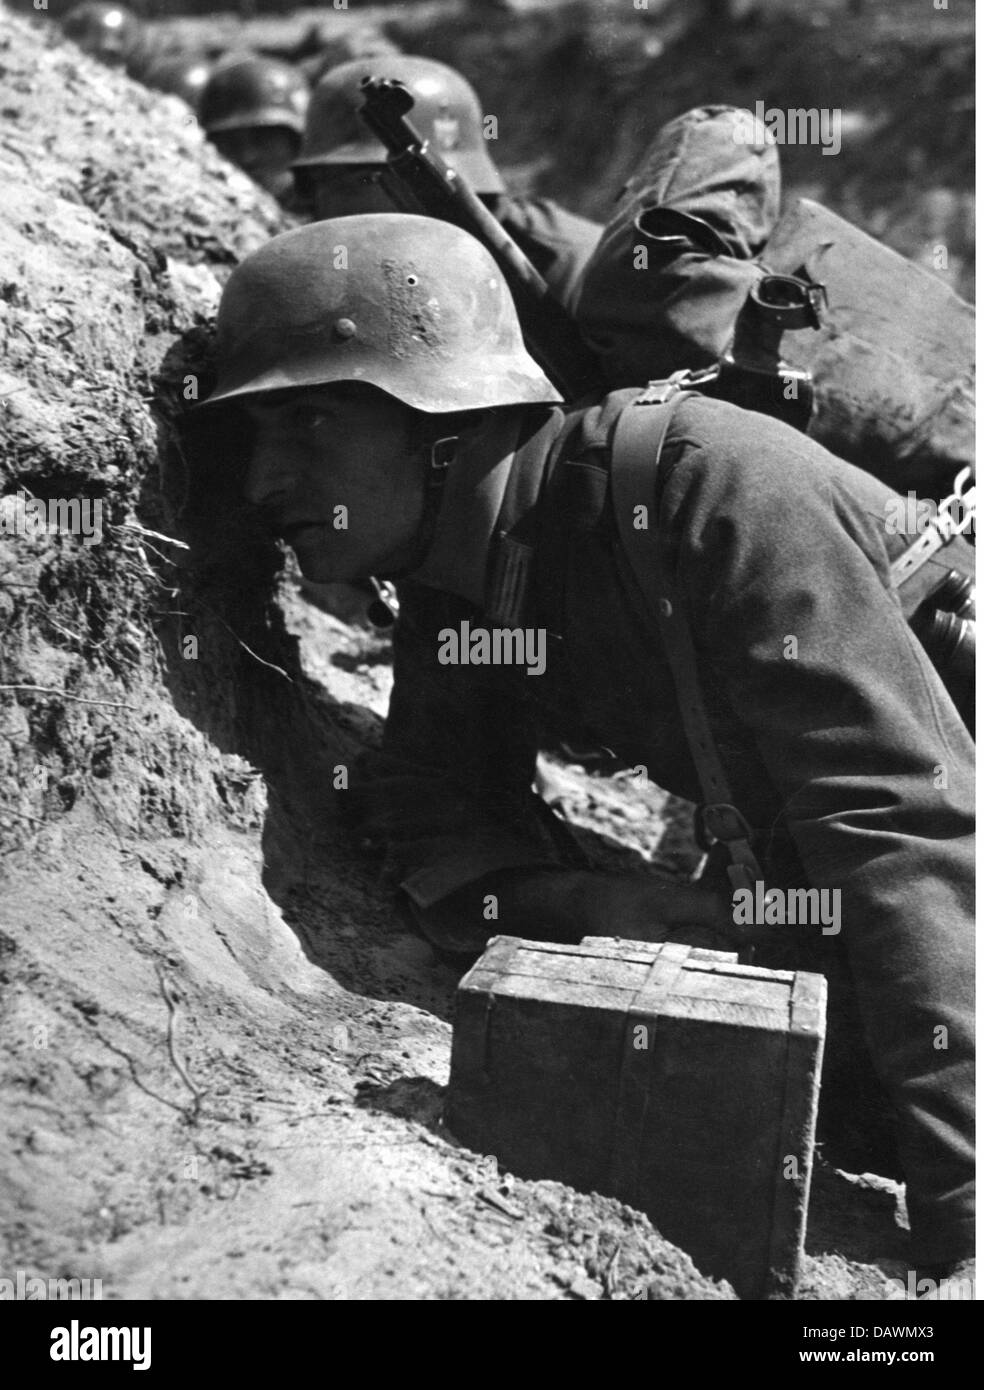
(250, 90)
(412, 305)
(446, 112)
(183, 74)
(109, 32)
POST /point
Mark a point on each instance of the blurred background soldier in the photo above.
(184, 75)
(253, 110)
(339, 170)
(111, 33)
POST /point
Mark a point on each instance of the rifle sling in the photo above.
(636, 451)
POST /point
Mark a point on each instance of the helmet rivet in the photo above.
(345, 328)
(412, 280)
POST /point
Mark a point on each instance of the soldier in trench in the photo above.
(252, 108)
(339, 169)
(399, 389)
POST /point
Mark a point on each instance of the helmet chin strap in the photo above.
(442, 454)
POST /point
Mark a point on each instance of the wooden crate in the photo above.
(672, 1078)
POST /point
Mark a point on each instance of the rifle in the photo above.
(421, 181)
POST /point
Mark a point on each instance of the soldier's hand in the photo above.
(566, 905)
(641, 908)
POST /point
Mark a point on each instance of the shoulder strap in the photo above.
(637, 445)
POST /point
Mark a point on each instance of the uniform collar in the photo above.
(477, 486)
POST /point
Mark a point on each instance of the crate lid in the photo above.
(643, 978)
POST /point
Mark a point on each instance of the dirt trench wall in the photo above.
(119, 225)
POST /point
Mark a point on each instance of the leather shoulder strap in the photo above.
(637, 445)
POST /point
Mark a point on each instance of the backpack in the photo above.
(891, 359)
(802, 316)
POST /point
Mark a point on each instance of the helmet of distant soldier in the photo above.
(182, 74)
(446, 112)
(250, 90)
(411, 305)
(111, 33)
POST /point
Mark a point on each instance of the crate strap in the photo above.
(635, 1082)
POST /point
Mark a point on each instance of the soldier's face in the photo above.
(341, 478)
(263, 152)
(343, 190)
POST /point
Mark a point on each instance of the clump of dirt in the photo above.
(118, 224)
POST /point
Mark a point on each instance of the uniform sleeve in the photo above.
(784, 559)
(806, 656)
(449, 797)
(558, 243)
